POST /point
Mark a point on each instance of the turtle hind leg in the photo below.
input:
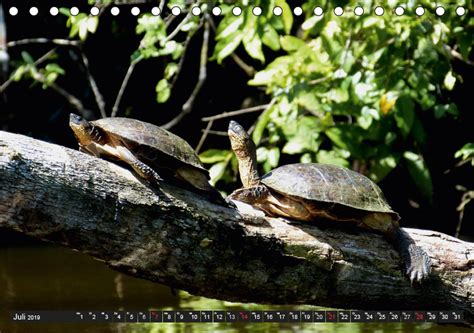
(143, 170)
(417, 262)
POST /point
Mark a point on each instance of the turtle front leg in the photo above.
(140, 168)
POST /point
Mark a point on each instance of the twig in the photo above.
(44, 57)
(204, 136)
(249, 70)
(228, 114)
(181, 61)
(178, 28)
(65, 42)
(321, 79)
(130, 69)
(455, 54)
(74, 101)
(187, 106)
(220, 133)
(465, 199)
(95, 89)
(161, 6)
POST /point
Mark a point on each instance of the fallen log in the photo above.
(175, 237)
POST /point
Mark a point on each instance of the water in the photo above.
(44, 277)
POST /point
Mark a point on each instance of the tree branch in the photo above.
(188, 105)
(130, 69)
(228, 114)
(177, 238)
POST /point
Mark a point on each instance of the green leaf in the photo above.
(27, 58)
(449, 81)
(308, 100)
(272, 158)
(214, 155)
(262, 153)
(303, 136)
(216, 172)
(331, 157)
(306, 158)
(441, 110)
(18, 74)
(382, 167)
(55, 68)
(467, 151)
(287, 15)
(420, 174)
(170, 70)
(251, 39)
(404, 114)
(270, 37)
(262, 123)
(366, 117)
(338, 95)
(92, 23)
(311, 22)
(163, 91)
(349, 138)
(229, 25)
(225, 47)
(291, 44)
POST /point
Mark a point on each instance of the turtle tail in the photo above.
(417, 262)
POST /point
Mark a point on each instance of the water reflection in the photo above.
(43, 277)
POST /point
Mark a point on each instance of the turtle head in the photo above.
(240, 140)
(84, 131)
(246, 153)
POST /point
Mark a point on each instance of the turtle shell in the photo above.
(142, 136)
(327, 183)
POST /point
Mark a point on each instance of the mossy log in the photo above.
(175, 237)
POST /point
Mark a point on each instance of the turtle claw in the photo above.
(418, 266)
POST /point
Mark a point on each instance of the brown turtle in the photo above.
(147, 148)
(312, 191)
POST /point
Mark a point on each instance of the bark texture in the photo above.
(177, 238)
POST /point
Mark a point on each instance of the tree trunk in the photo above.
(177, 238)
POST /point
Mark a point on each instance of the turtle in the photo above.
(311, 192)
(147, 148)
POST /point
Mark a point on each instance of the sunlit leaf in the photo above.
(287, 15)
(290, 43)
(225, 47)
(270, 37)
(217, 171)
(262, 122)
(467, 151)
(381, 167)
(214, 155)
(230, 26)
(449, 81)
(331, 157)
(163, 91)
(171, 69)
